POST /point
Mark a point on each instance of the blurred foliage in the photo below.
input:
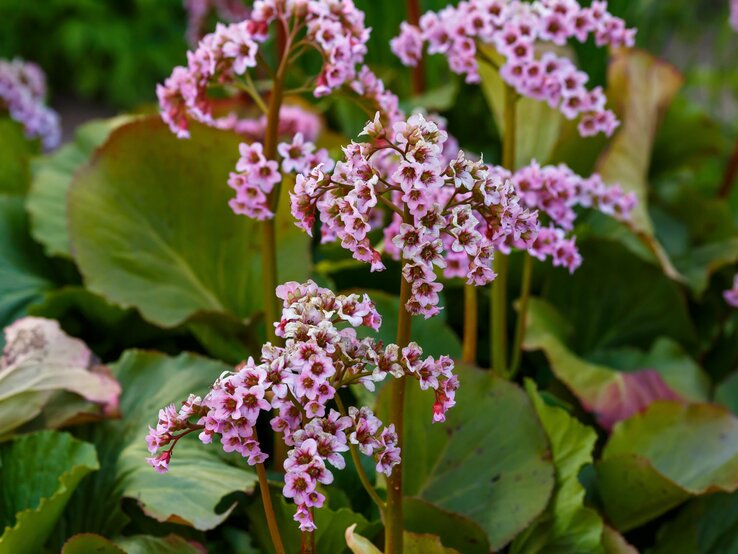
(111, 51)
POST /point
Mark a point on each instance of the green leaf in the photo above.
(153, 209)
(39, 473)
(656, 460)
(52, 175)
(616, 299)
(567, 526)
(726, 393)
(706, 525)
(39, 361)
(198, 478)
(499, 476)
(23, 269)
(433, 334)
(537, 125)
(454, 530)
(641, 87)
(664, 373)
(15, 156)
(136, 544)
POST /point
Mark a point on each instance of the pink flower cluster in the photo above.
(22, 94)
(198, 12)
(256, 176)
(297, 382)
(459, 208)
(333, 27)
(555, 191)
(731, 295)
(734, 14)
(514, 28)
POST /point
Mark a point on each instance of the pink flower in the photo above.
(731, 295)
(300, 379)
(514, 28)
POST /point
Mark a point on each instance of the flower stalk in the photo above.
(269, 510)
(522, 314)
(471, 322)
(498, 327)
(394, 522)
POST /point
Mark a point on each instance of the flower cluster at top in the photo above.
(514, 28)
(734, 14)
(22, 94)
(731, 295)
(322, 354)
(443, 206)
(555, 191)
(335, 28)
(199, 10)
(256, 176)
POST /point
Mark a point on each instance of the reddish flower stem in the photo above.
(471, 323)
(269, 509)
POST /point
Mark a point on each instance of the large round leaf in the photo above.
(616, 299)
(658, 459)
(198, 478)
(52, 174)
(151, 228)
(489, 461)
(666, 372)
(39, 473)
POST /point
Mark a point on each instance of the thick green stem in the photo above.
(499, 315)
(471, 324)
(499, 285)
(269, 509)
(522, 313)
(393, 521)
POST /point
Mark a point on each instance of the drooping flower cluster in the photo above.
(731, 295)
(22, 94)
(514, 28)
(459, 207)
(335, 28)
(299, 382)
(256, 176)
(555, 191)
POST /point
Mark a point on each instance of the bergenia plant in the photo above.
(22, 95)
(444, 207)
(516, 39)
(298, 385)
